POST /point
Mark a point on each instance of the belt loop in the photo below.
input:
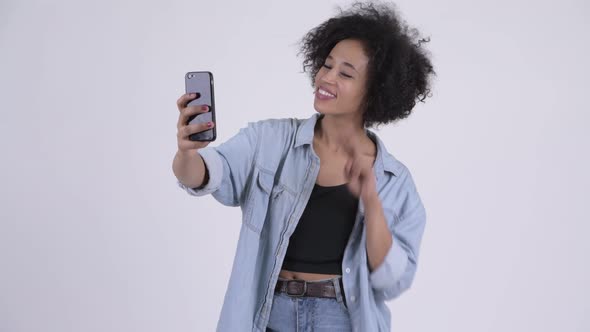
(339, 286)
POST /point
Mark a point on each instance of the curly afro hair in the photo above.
(399, 69)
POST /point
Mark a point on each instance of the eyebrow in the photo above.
(345, 63)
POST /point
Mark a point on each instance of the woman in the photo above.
(332, 222)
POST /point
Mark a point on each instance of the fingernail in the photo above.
(204, 108)
(209, 124)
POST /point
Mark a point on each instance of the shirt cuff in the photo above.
(214, 167)
(391, 269)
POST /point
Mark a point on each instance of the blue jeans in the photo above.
(301, 314)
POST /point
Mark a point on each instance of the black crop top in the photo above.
(318, 242)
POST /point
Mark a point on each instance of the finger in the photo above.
(347, 169)
(354, 187)
(186, 113)
(192, 145)
(185, 98)
(185, 131)
(355, 169)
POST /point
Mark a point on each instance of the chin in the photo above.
(322, 110)
(326, 112)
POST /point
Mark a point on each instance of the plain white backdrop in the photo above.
(96, 236)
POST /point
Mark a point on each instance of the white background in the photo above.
(96, 236)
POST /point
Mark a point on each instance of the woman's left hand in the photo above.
(359, 172)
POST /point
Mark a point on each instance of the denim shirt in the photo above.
(269, 169)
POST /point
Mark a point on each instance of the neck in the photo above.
(333, 131)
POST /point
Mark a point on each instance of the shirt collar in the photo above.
(384, 161)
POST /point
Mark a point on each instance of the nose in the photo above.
(329, 77)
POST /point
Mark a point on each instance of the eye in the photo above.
(343, 74)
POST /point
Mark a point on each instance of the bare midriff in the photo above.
(286, 274)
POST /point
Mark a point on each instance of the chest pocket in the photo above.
(262, 193)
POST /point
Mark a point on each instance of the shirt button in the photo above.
(352, 298)
(347, 270)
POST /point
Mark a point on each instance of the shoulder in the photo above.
(275, 127)
(271, 124)
(399, 178)
(399, 193)
(401, 173)
(391, 164)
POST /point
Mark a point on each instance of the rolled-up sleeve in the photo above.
(229, 166)
(392, 268)
(215, 169)
(396, 273)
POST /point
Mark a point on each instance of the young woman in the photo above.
(332, 222)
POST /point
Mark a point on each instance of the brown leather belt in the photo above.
(299, 288)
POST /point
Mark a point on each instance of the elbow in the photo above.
(395, 274)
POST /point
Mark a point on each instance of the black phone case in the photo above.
(201, 82)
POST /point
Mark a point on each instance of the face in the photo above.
(340, 83)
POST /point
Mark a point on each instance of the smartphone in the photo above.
(201, 82)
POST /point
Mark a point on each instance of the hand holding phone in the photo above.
(201, 83)
(185, 130)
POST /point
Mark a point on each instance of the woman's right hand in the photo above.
(185, 130)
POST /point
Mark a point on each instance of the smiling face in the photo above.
(341, 82)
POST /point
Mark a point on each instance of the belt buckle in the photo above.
(297, 281)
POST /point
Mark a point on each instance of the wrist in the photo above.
(371, 200)
(185, 153)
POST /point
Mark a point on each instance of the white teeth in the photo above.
(325, 93)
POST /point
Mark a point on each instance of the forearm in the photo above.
(190, 168)
(379, 239)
